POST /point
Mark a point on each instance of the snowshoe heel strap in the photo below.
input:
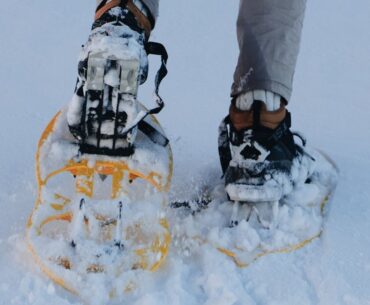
(144, 22)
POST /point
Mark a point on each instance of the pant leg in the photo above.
(269, 34)
(152, 5)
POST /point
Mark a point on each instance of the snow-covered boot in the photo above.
(260, 159)
(104, 113)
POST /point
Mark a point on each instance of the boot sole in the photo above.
(253, 193)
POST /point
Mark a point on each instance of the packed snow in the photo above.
(41, 42)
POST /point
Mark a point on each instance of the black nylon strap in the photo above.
(224, 150)
(93, 150)
(257, 106)
(104, 2)
(101, 5)
(279, 132)
(155, 48)
(153, 134)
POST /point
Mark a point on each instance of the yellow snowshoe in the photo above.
(96, 215)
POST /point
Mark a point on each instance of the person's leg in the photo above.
(269, 34)
(153, 6)
(115, 47)
(259, 156)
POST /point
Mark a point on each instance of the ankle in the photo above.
(246, 119)
(136, 15)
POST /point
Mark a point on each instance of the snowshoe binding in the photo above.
(274, 197)
(268, 178)
(104, 165)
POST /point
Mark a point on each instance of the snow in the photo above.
(40, 45)
(271, 227)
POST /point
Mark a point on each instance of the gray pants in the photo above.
(269, 34)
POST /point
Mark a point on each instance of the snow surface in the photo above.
(329, 105)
